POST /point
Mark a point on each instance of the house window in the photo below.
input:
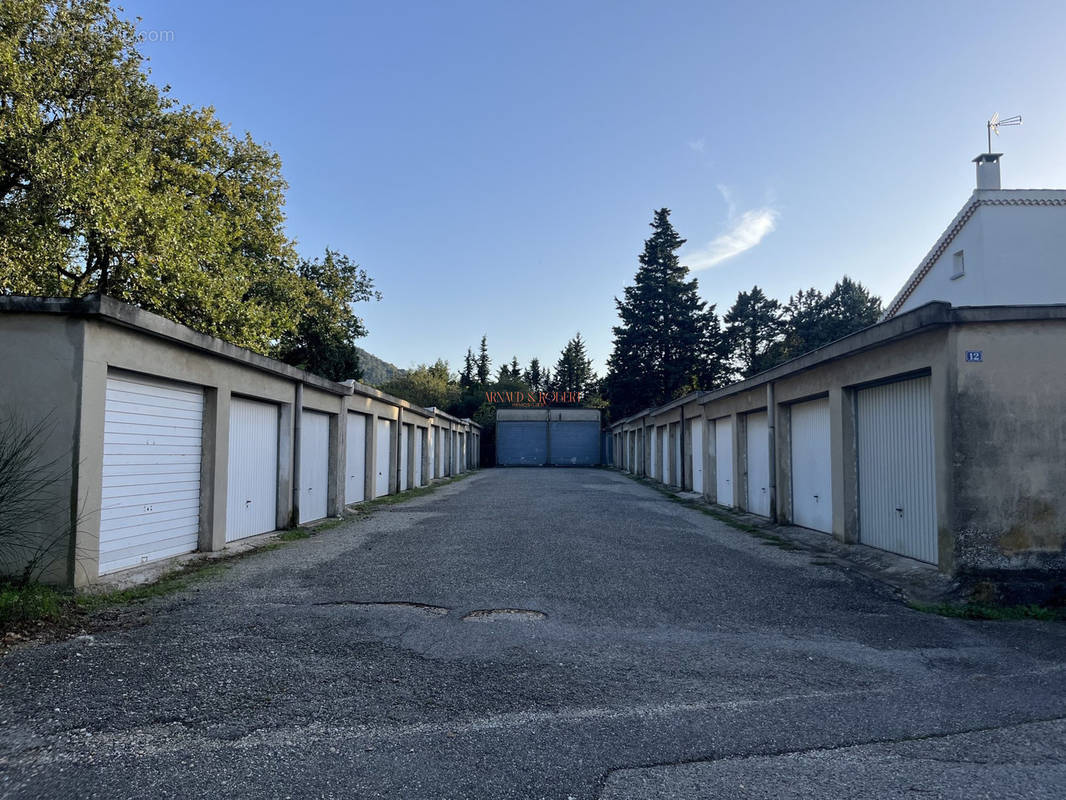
(958, 265)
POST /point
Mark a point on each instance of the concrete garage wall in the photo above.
(63, 351)
(42, 365)
(998, 430)
(1009, 464)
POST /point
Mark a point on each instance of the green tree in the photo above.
(108, 185)
(573, 370)
(533, 375)
(466, 377)
(426, 386)
(668, 339)
(484, 363)
(813, 320)
(753, 326)
(323, 341)
(850, 307)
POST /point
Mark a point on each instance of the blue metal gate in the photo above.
(521, 443)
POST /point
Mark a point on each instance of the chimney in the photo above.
(988, 170)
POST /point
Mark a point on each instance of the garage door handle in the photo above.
(816, 498)
(899, 511)
(247, 503)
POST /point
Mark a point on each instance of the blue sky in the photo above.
(494, 165)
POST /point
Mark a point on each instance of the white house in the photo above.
(1005, 247)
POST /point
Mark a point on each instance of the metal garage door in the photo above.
(758, 444)
(420, 434)
(812, 498)
(405, 440)
(723, 460)
(381, 458)
(575, 443)
(897, 489)
(521, 443)
(150, 504)
(355, 459)
(314, 465)
(696, 426)
(252, 476)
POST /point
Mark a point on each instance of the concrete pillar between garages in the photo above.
(394, 452)
(844, 465)
(214, 469)
(740, 461)
(369, 451)
(783, 466)
(338, 437)
(710, 458)
(286, 464)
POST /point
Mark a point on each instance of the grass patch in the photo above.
(22, 604)
(408, 494)
(26, 606)
(990, 612)
(294, 534)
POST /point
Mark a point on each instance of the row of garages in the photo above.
(925, 435)
(182, 442)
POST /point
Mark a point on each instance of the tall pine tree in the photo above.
(573, 370)
(668, 340)
(484, 363)
(754, 327)
(534, 376)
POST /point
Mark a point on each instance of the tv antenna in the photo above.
(995, 123)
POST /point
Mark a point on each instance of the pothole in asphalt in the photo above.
(423, 608)
(490, 614)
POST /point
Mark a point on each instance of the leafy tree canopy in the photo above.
(426, 385)
(323, 340)
(109, 185)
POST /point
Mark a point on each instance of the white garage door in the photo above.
(314, 465)
(420, 434)
(355, 462)
(252, 476)
(381, 458)
(723, 460)
(812, 498)
(405, 439)
(697, 455)
(897, 489)
(758, 444)
(150, 505)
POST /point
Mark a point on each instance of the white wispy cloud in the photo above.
(697, 145)
(744, 233)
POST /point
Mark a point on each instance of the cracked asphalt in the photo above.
(677, 657)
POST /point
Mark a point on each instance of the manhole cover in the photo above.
(490, 614)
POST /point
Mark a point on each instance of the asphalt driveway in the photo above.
(405, 655)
